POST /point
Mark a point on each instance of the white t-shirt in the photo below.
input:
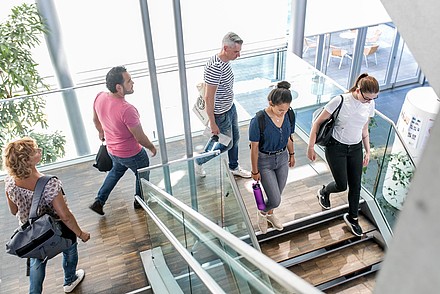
(351, 119)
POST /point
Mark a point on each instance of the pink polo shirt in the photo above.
(116, 116)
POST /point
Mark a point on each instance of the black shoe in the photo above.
(136, 205)
(353, 225)
(97, 207)
(323, 199)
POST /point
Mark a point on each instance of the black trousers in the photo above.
(345, 162)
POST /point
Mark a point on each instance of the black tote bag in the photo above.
(324, 134)
(103, 160)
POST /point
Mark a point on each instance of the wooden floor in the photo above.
(111, 258)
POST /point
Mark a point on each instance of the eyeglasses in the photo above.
(366, 98)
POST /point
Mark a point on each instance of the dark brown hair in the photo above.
(366, 83)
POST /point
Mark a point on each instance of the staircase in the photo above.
(323, 251)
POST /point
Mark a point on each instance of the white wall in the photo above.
(411, 264)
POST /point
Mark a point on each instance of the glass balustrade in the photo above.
(230, 264)
(254, 72)
(214, 196)
(390, 170)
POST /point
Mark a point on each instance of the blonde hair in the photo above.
(17, 157)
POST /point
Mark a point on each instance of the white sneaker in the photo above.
(276, 223)
(241, 172)
(262, 222)
(200, 171)
(80, 276)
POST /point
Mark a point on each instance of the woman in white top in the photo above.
(344, 153)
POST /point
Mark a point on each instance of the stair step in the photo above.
(325, 235)
(364, 284)
(344, 262)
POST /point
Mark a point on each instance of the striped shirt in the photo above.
(219, 73)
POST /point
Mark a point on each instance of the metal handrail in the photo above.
(243, 210)
(192, 262)
(402, 141)
(208, 242)
(282, 276)
(163, 68)
(234, 186)
(201, 155)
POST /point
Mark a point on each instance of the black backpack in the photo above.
(262, 123)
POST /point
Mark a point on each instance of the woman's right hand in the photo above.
(256, 177)
(311, 153)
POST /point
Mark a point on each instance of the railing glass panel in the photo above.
(389, 173)
(69, 111)
(214, 196)
(390, 170)
(230, 263)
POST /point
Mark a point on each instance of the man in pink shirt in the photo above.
(117, 122)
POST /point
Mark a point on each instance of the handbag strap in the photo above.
(336, 112)
(38, 192)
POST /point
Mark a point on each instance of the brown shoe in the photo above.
(97, 207)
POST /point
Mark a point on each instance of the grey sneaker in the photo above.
(200, 171)
(276, 223)
(323, 199)
(353, 224)
(97, 207)
(262, 222)
(241, 172)
(80, 276)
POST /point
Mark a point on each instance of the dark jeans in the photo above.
(228, 124)
(120, 166)
(345, 162)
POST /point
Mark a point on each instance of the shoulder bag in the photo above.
(40, 237)
(324, 134)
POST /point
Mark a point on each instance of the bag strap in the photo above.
(38, 192)
(292, 119)
(336, 112)
(262, 123)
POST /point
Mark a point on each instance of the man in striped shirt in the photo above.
(219, 99)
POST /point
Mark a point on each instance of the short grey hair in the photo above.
(230, 39)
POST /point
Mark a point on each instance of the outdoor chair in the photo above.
(309, 43)
(370, 50)
(338, 53)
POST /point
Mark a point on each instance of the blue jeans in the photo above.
(228, 124)
(38, 269)
(274, 170)
(120, 166)
(345, 162)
